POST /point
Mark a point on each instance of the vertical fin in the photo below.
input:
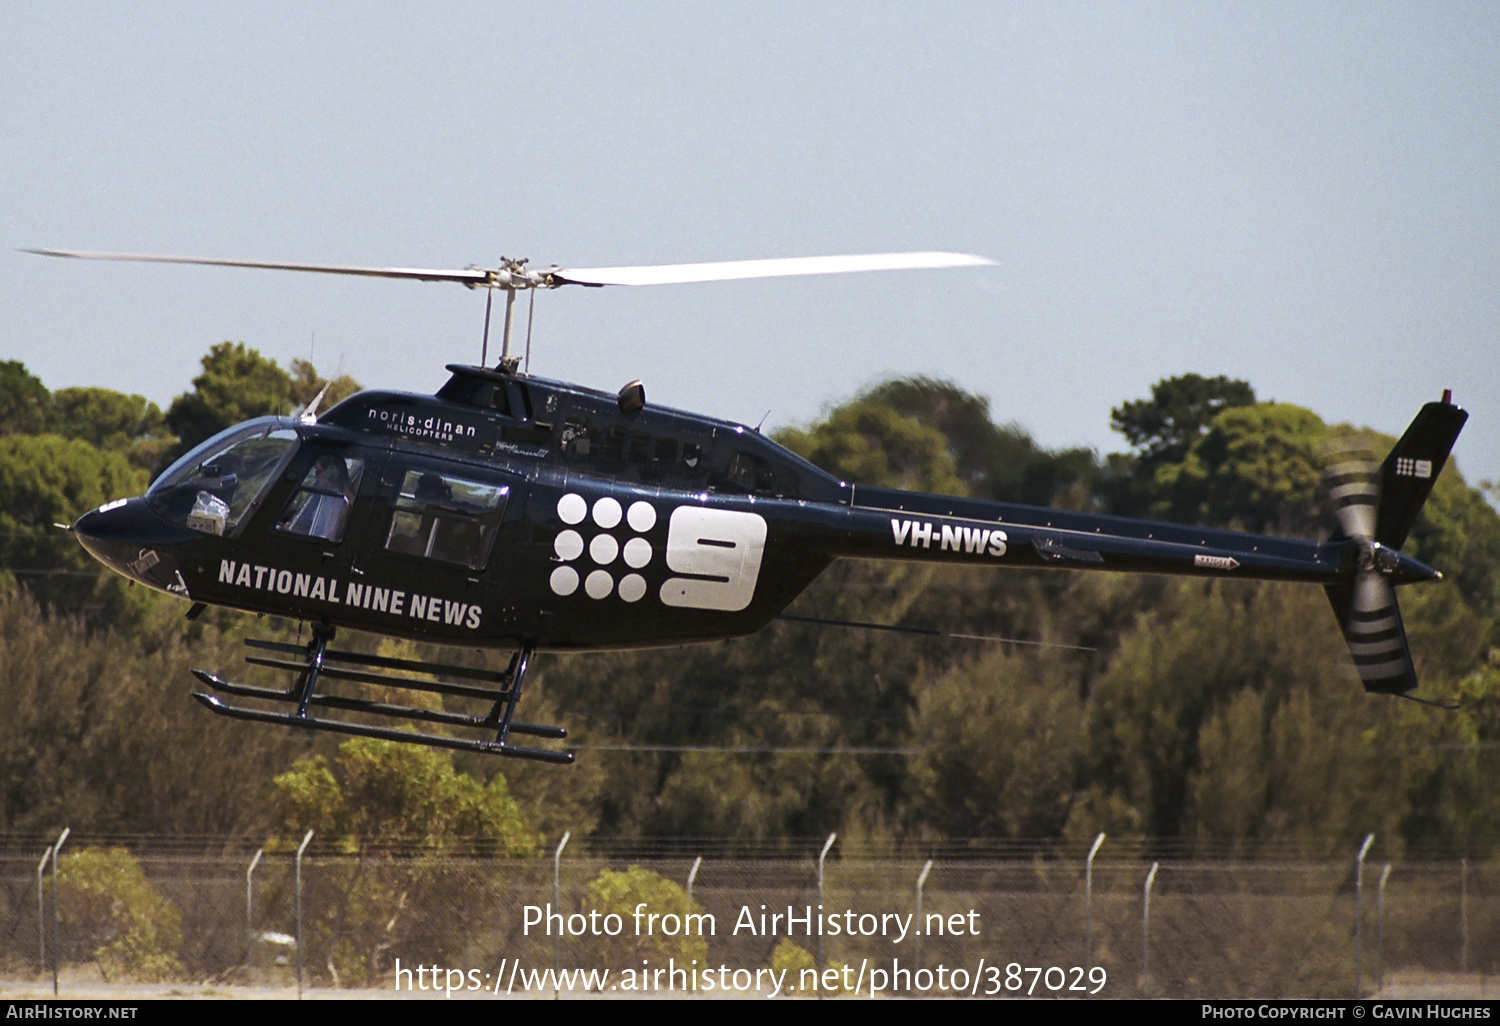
(1408, 474)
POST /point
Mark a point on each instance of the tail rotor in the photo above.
(1376, 505)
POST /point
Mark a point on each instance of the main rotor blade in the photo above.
(732, 270)
(469, 276)
(658, 274)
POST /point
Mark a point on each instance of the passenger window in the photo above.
(612, 448)
(756, 475)
(446, 518)
(742, 471)
(320, 508)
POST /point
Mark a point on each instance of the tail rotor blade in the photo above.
(1372, 627)
(1353, 487)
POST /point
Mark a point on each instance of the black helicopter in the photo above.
(514, 512)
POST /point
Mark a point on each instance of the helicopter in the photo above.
(514, 512)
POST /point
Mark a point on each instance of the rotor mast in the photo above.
(512, 276)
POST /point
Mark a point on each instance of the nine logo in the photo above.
(716, 552)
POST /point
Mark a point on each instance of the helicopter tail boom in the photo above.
(1359, 566)
(886, 524)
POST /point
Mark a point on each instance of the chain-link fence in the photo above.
(1225, 928)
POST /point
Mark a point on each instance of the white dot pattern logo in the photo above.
(599, 584)
(572, 508)
(564, 580)
(568, 546)
(642, 517)
(606, 512)
(637, 553)
(603, 549)
(632, 587)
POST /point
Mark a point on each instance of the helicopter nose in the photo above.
(104, 533)
(119, 534)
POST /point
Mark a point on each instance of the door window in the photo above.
(445, 518)
(320, 508)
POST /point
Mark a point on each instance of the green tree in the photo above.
(1001, 738)
(870, 443)
(99, 730)
(793, 959)
(307, 383)
(128, 424)
(616, 893)
(24, 400)
(1162, 430)
(1178, 413)
(1459, 534)
(391, 810)
(1299, 766)
(382, 794)
(1254, 467)
(975, 444)
(927, 435)
(113, 913)
(237, 384)
(47, 480)
(1187, 660)
(995, 461)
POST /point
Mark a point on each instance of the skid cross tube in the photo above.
(318, 663)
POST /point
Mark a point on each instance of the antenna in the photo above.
(484, 349)
(530, 319)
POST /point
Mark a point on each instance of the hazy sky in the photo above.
(1303, 195)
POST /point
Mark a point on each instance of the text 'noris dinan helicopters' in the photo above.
(514, 512)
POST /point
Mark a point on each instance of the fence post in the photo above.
(693, 875)
(250, 911)
(56, 946)
(1359, 907)
(1146, 928)
(300, 849)
(1380, 923)
(1463, 916)
(41, 912)
(921, 882)
(821, 856)
(557, 906)
(1088, 904)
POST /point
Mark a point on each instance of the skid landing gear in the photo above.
(314, 663)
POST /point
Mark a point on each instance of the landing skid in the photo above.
(314, 662)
